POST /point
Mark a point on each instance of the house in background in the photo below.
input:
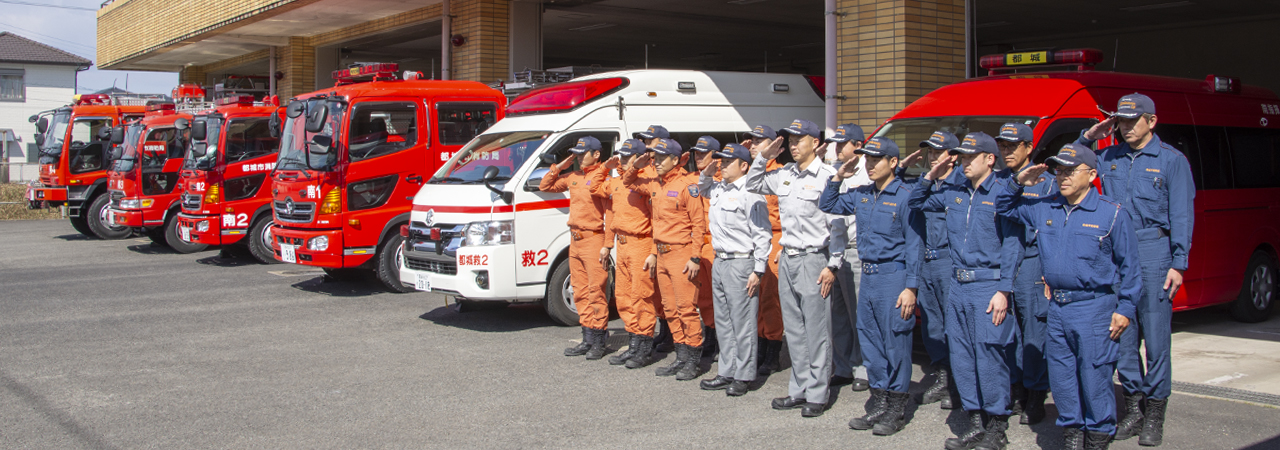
(34, 77)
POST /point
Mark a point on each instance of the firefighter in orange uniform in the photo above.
(703, 153)
(662, 339)
(769, 326)
(586, 225)
(679, 224)
(628, 221)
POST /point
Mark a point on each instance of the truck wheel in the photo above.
(345, 274)
(175, 241)
(259, 240)
(389, 257)
(81, 224)
(97, 217)
(1257, 295)
(157, 236)
(559, 299)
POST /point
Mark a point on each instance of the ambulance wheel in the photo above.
(259, 240)
(559, 299)
(81, 224)
(98, 223)
(1257, 296)
(390, 255)
(175, 240)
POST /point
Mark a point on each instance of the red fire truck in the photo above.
(143, 182)
(74, 159)
(352, 157)
(227, 190)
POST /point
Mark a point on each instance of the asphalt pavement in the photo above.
(123, 344)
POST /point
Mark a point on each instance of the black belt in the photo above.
(1151, 234)
(884, 267)
(931, 254)
(969, 275)
(1064, 296)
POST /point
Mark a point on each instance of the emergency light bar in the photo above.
(160, 106)
(564, 96)
(379, 72)
(241, 99)
(188, 91)
(1081, 58)
(93, 99)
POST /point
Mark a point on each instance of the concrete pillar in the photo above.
(298, 62)
(892, 52)
(485, 24)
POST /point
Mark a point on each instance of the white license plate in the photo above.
(185, 232)
(423, 282)
(287, 253)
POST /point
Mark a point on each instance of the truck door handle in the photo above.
(413, 179)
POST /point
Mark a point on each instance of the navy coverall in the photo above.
(1030, 304)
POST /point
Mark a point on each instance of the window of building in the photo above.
(12, 86)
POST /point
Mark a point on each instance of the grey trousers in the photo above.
(846, 352)
(806, 316)
(735, 317)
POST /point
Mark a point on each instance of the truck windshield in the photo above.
(295, 139)
(128, 148)
(54, 135)
(506, 151)
(212, 134)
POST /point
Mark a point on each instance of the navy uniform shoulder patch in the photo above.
(693, 191)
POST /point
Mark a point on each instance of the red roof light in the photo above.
(379, 72)
(241, 99)
(166, 106)
(564, 96)
(1081, 58)
(188, 91)
(94, 99)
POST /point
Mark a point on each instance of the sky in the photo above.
(72, 26)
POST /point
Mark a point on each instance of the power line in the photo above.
(91, 49)
(77, 8)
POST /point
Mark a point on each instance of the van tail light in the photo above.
(564, 96)
(332, 203)
(213, 194)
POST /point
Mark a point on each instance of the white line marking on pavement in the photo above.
(295, 273)
(1226, 378)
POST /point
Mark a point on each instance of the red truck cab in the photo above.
(74, 159)
(353, 156)
(225, 176)
(143, 182)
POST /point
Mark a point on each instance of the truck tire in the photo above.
(259, 240)
(81, 224)
(345, 274)
(157, 236)
(1257, 295)
(175, 241)
(97, 218)
(559, 299)
(388, 270)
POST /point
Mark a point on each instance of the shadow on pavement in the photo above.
(1269, 444)
(1216, 321)
(76, 237)
(335, 288)
(225, 261)
(151, 249)
(502, 320)
(53, 413)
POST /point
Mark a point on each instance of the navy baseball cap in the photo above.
(655, 131)
(763, 131)
(631, 147)
(706, 144)
(941, 140)
(1073, 155)
(848, 132)
(1135, 105)
(735, 151)
(585, 144)
(975, 143)
(879, 146)
(667, 147)
(803, 127)
(1015, 132)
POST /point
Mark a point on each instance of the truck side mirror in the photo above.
(273, 124)
(39, 140)
(199, 130)
(320, 144)
(316, 118)
(181, 124)
(295, 109)
(199, 149)
(491, 173)
(42, 124)
(535, 179)
(104, 133)
(117, 135)
(33, 118)
(117, 152)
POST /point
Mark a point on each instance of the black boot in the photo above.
(598, 341)
(1153, 427)
(995, 438)
(710, 344)
(938, 390)
(1073, 439)
(879, 401)
(1033, 413)
(662, 343)
(1017, 399)
(895, 414)
(621, 358)
(582, 347)
(952, 400)
(1096, 440)
(769, 360)
(689, 370)
(643, 353)
(970, 438)
(1131, 424)
(682, 354)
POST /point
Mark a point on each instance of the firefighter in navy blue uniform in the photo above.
(1090, 265)
(1029, 375)
(1152, 180)
(936, 275)
(846, 352)
(985, 251)
(889, 246)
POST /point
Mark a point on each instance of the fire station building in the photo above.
(886, 53)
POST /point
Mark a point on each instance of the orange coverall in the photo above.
(628, 220)
(705, 306)
(679, 224)
(586, 224)
(770, 324)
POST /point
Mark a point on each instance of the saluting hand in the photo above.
(1032, 175)
(711, 169)
(651, 265)
(691, 268)
(642, 160)
(1101, 129)
(849, 168)
(773, 150)
(941, 168)
(566, 163)
(1118, 324)
(826, 279)
(753, 284)
(999, 307)
(821, 151)
(907, 303)
(911, 159)
(612, 163)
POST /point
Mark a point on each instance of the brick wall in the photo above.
(298, 62)
(892, 52)
(484, 23)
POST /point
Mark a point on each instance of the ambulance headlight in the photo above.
(496, 232)
(318, 243)
(203, 226)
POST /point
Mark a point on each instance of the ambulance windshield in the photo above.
(506, 151)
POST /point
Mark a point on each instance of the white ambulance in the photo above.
(480, 229)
